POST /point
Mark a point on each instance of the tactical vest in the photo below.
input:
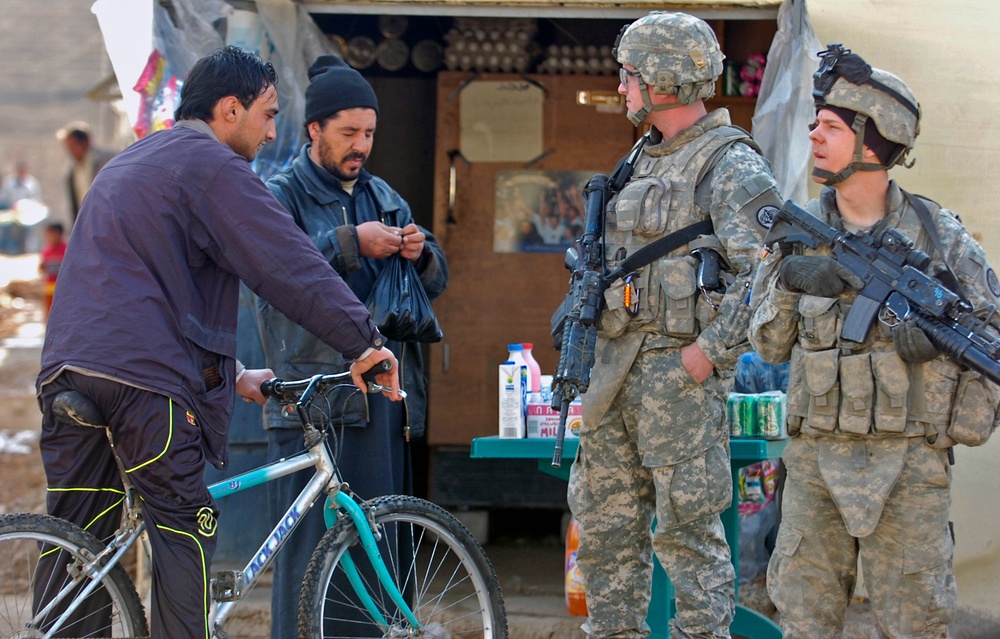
(838, 387)
(658, 200)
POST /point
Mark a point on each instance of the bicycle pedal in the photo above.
(228, 585)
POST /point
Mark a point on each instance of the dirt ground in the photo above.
(22, 481)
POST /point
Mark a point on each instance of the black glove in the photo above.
(912, 344)
(816, 275)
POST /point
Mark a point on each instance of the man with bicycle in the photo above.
(144, 323)
(359, 223)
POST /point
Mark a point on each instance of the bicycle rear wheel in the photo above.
(436, 563)
(40, 556)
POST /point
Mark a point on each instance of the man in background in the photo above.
(86, 160)
(359, 223)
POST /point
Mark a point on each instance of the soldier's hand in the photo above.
(912, 343)
(816, 275)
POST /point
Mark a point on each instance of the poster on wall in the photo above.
(538, 211)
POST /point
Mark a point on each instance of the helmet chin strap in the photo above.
(638, 117)
(829, 178)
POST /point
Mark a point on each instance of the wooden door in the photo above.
(497, 298)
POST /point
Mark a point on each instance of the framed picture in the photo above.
(538, 211)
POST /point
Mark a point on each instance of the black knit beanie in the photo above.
(333, 86)
(884, 149)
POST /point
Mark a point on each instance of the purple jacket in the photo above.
(149, 290)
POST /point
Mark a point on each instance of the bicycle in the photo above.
(390, 567)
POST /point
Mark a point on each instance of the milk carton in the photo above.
(543, 421)
(513, 394)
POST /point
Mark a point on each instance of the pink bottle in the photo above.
(534, 370)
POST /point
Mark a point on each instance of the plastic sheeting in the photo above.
(785, 106)
(297, 42)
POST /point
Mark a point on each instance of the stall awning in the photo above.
(722, 9)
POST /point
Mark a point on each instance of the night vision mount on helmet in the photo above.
(845, 80)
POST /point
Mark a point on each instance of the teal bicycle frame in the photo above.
(325, 480)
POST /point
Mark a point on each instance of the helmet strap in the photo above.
(638, 117)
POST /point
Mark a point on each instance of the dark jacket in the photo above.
(329, 216)
(149, 290)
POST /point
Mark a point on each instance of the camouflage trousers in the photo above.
(615, 497)
(906, 560)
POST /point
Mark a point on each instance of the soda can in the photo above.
(733, 414)
(770, 415)
(749, 416)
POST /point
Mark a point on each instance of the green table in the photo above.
(747, 623)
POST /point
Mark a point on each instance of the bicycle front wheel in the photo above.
(42, 558)
(436, 563)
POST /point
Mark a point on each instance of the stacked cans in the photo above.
(756, 415)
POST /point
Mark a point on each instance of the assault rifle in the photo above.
(583, 306)
(894, 277)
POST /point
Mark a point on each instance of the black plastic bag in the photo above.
(399, 305)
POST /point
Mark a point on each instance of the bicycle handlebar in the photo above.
(277, 386)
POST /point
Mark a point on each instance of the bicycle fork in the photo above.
(370, 546)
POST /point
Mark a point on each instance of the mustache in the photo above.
(355, 156)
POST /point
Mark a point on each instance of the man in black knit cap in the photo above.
(358, 222)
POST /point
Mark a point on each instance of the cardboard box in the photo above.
(542, 421)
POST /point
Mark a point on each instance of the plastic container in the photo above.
(515, 353)
(534, 370)
(576, 596)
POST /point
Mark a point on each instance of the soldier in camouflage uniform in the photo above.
(654, 442)
(871, 423)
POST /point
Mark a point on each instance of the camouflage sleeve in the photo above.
(975, 274)
(744, 199)
(774, 325)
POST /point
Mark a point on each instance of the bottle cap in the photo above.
(514, 347)
(527, 345)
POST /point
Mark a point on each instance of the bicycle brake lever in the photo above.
(378, 388)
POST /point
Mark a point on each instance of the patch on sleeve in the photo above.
(766, 215)
(992, 282)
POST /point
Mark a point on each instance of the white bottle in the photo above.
(534, 370)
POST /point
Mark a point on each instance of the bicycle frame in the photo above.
(324, 480)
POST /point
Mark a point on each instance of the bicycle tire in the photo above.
(113, 609)
(447, 579)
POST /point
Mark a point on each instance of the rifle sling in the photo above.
(655, 250)
(925, 218)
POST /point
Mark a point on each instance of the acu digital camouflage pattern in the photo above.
(671, 50)
(654, 442)
(617, 485)
(894, 121)
(867, 473)
(906, 560)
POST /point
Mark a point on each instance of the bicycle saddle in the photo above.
(73, 407)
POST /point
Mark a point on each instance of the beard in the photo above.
(335, 166)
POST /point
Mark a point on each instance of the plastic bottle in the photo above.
(534, 370)
(576, 598)
(515, 353)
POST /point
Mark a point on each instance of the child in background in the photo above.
(51, 259)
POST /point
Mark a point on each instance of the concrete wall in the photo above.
(53, 54)
(947, 53)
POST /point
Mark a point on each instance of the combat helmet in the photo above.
(675, 54)
(845, 80)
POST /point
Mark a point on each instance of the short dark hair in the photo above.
(57, 227)
(224, 72)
